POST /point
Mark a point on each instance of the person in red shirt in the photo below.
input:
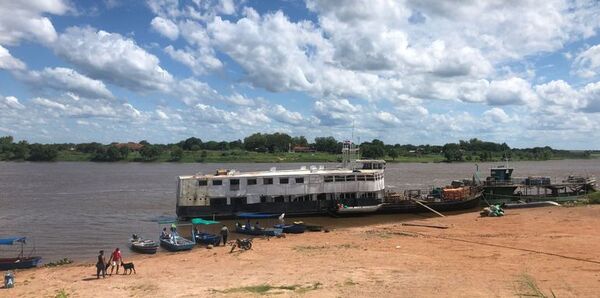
(116, 259)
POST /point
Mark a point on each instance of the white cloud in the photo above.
(591, 95)
(192, 91)
(281, 114)
(112, 57)
(24, 20)
(387, 118)
(198, 62)
(559, 93)
(165, 27)
(335, 111)
(66, 79)
(11, 102)
(512, 91)
(497, 115)
(239, 99)
(587, 63)
(162, 115)
(8, 62)
(49, 103)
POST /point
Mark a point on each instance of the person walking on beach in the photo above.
(224, 234)
(116, 259)
(101, 265)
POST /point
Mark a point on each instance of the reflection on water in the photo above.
(72, 209)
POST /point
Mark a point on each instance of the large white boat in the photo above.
(304, 191)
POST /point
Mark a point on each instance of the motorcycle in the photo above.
(243, 244)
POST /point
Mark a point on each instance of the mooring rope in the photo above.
(514, 248)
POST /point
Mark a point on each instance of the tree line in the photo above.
(471, 150)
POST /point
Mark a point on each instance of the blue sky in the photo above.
(524, 73)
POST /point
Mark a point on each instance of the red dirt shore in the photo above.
(541, 251)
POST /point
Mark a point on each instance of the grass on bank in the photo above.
(265, 289)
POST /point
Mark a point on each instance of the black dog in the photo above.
(128, 266)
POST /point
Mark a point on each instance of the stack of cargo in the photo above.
(455, 194)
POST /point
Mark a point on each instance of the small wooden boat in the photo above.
(358, 209)
(296, 228)
(241, 229)
(20, 262)
(176, 243)
(143, 246)
(204, 238)
(207, 238)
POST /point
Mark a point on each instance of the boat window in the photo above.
(218, 201)
(234, 184)
(278, 199)
(299, 180)
(361, 178)
(202, 183)
(251, 181)
(267, 180)
(328, 178)
(340, 178)
(217, 182)
(284, 180)
(351, 178)
(370, 178)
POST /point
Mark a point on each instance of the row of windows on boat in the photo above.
(221, 201)
(297, 180)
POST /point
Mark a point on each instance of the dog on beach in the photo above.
(128, 266)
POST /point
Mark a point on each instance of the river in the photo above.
(73, 209)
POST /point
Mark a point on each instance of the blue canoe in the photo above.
(292, 229)
(204, 237)
(207, 238)
(178, 244)
(241, 229)
(20, 262)
(256, 215)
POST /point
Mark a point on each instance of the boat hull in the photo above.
(412, 207)
(291, 209)
(19, 263)
(292, 229)
(207, 239)
(181, 245)
(144, 247)
(259, 232)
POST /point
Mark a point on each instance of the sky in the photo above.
(408, 71)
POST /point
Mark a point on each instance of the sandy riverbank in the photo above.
(545, 248)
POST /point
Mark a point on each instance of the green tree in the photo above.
(150, 152)
(393, 153)
(191, 144)
(176, 153)
(255, 142)
(326, 144)
(39, 152)
(21, 150)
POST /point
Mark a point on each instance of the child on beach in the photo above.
(101, 265)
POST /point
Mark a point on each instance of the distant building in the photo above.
(131, 145)
(302, 149)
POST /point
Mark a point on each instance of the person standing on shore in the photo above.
(117, 259)
(224, 234)
(101, 265)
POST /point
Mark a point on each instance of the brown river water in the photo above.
(73, 209)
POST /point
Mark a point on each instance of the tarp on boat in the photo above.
(256, 215)
(12, 240)
(200, 221)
